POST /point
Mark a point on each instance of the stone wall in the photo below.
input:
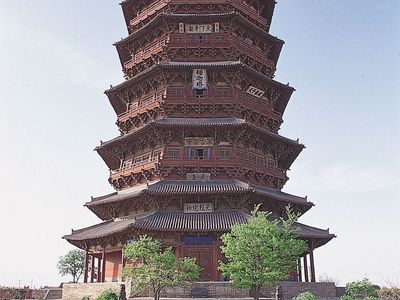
(215, 290)
(321, 290)
(39, 294)
(223, 290)
(10, 293)
(76, 291)
(7, 293)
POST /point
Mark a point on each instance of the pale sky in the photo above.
(342, 56)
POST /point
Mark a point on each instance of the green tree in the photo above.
(73, 263)
(107, 295)
(263, 251)
(361, 289)
(157, 268)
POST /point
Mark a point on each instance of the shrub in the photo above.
(305, 296)
(362, 289)
(107, 295)
(85, 298)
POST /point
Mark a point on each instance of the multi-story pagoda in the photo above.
(199, 114)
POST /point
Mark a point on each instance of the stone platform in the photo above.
(216, 290)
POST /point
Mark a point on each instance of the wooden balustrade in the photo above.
(220, 161)
(148, 11)
(134, 167)
(212, 161)
(146, 103)
(241, 97)
(214, 40)
(240, 5)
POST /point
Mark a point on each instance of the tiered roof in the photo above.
(196, 187)
(169, 221)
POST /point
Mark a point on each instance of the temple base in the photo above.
(217, 289)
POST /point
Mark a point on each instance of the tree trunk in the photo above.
(157, 295)
(256, 291)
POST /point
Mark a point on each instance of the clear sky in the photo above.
(342, 56)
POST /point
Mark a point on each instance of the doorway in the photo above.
(204, 258)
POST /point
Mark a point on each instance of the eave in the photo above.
(103, 148)
(167, 221)
(120, 107)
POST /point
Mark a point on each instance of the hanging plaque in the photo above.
(199, 141)
(181, 28)
(191, 208)
(216, 27)
(255, 92)
(198, 176)
(199, 28)
(199, 79)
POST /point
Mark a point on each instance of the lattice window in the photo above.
(260, 161)
(175, 92)
(221, 92)
(225, 153)
(173, 152)
(271, 163)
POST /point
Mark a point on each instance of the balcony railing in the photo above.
(144, 104)
(212, 161)
(238, 4)
(221, 161)
(148, 11)
(214, 40)
(134, 167)
(232, 96)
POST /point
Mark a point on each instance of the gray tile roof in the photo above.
(218, 221)
(202, 16)
(216, 64)
(182, 187)
(198, 122)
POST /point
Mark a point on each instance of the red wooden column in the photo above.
(215, 262)
(85, 275)
(305, 268)
(98, 279)
(92, 270)
(312, 265)
(103, 267)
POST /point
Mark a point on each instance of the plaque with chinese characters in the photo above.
(198, 176)
(199, 141)
(199, 79)
(190, 208)
(199, 28)
(255, 92)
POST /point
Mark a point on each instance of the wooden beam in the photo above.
(305, 268)
(85, 275)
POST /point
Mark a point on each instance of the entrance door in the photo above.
(204, 258)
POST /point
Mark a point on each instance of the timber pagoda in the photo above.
(198, 114)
